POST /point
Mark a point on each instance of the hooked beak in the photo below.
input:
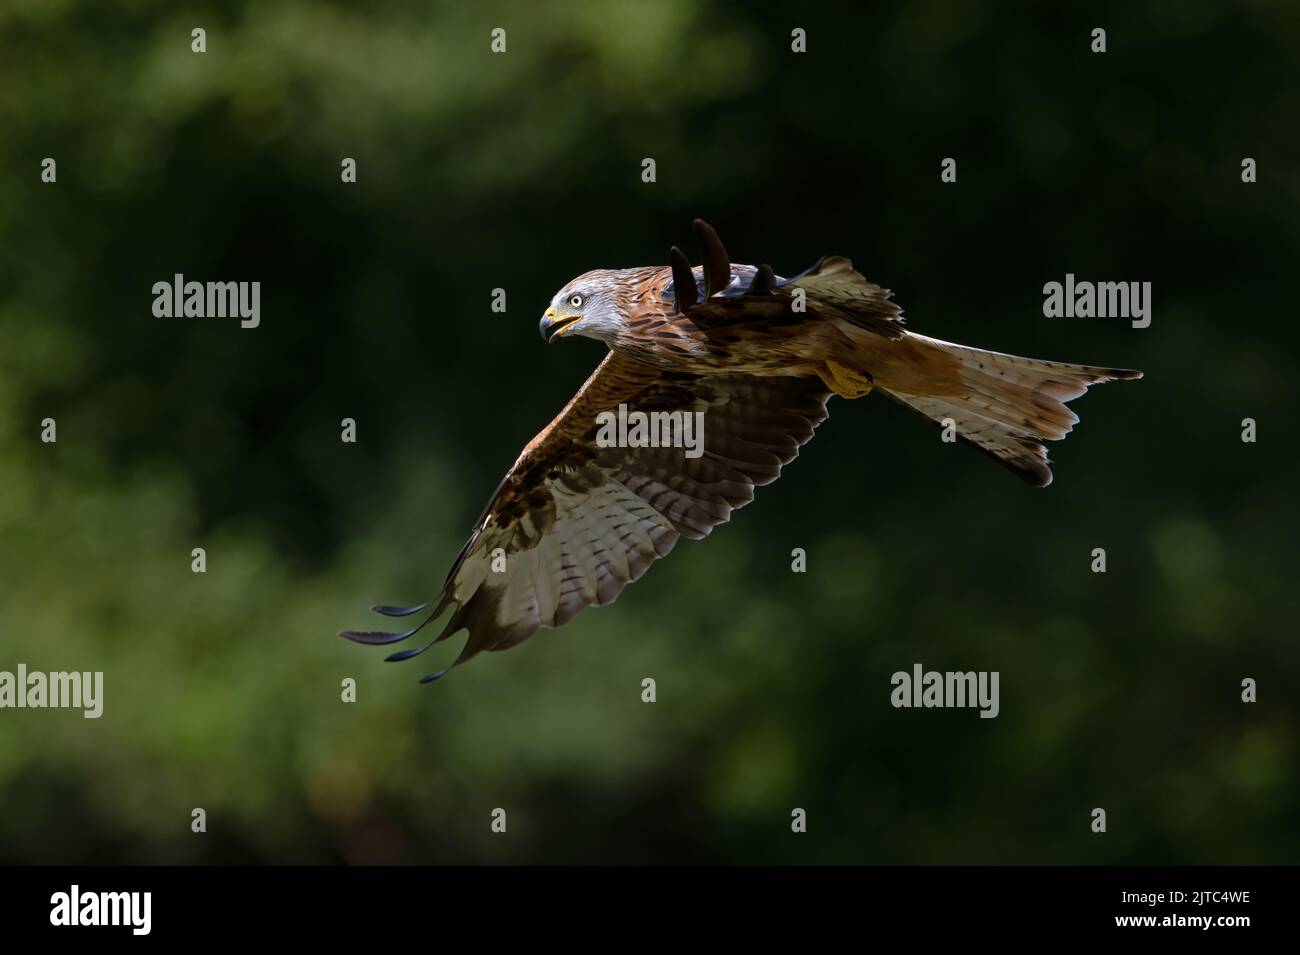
(552, 327)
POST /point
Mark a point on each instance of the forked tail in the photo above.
(1006, 405)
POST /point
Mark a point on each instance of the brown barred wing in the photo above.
(577, 519)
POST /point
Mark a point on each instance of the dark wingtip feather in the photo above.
(388, 611)
(811, 270)
(375, 637)
(433, 676)
(717, 265)
(684, 292)
(407, 654)
(764, 281)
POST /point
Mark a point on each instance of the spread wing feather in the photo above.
(573, 523)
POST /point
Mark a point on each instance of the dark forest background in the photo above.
(476, 171)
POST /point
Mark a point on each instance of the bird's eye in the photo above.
(575, 300)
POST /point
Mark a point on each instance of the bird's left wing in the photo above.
(574, 521)
(719, 294)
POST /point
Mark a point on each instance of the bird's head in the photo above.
(591, 305)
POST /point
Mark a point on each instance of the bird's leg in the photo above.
(844, 381)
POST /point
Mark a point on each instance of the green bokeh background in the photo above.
(519, 171)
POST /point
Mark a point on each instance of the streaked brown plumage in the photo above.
(573, 522)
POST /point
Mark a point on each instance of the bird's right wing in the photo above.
(574, 521)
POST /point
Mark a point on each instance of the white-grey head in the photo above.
(593, 305)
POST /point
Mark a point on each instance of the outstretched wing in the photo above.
(724, 293)
(574, 522)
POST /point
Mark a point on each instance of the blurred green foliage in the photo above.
(519, 171)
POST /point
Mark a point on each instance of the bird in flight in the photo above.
(755, 358)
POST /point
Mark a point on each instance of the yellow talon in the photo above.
(844, 381)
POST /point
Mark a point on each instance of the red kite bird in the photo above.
(580, 515)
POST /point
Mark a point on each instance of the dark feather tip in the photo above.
(684, 291)
(717, 265)
(388, 611)
(811, 270)
(433, 676)
(764, 281)
(401, 655)
(374, 636)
